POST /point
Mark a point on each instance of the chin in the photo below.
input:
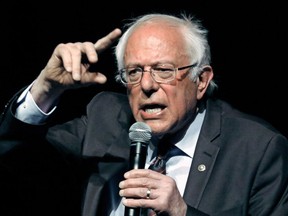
(157, 129)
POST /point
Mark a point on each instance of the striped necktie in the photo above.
(159, 165)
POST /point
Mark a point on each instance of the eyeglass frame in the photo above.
(124, 70)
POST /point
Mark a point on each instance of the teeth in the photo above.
(154, 110)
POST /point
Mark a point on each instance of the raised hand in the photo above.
(66, 69)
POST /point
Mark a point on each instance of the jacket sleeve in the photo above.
(13, 132)
(194, 212)
(34, 176)
(271, 179)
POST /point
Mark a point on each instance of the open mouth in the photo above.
(153, 108)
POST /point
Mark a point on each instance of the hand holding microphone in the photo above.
(168, 199)
(140, 135)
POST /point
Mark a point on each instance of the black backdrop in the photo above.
(249, 55)
(248, 42)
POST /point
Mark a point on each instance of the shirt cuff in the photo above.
(28, 111)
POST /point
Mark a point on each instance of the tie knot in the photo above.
(173, 151)
(159, 164)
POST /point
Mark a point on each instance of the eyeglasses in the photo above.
(161, 73)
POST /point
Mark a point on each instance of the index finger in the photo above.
(107, 40)
(139, 173)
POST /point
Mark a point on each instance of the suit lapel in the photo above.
(106, 150)
(200, 172)
(204, 157)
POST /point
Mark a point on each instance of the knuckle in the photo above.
(142, 203)
(144, 182)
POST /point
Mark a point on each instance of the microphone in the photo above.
(140, 135)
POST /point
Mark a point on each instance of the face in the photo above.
(165, 107)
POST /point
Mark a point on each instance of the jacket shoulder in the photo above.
(234, 116)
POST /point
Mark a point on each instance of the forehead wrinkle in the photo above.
(151, 42)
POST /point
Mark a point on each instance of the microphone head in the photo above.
(140, 132)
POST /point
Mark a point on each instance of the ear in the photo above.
(203, 81)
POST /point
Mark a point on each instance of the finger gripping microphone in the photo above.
(140, 135)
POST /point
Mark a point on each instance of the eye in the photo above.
(163, 68)
(134, 71)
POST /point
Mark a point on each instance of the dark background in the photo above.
(248, 42)
(249, 55)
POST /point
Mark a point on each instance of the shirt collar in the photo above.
(189, 141)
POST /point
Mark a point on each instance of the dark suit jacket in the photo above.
(240, 166)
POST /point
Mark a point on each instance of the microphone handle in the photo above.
(138, 151)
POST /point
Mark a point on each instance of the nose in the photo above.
(147, 82)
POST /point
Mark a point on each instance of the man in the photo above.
(233, 163)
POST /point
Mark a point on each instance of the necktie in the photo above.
(159, 165)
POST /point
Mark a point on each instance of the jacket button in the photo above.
(201, 167)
